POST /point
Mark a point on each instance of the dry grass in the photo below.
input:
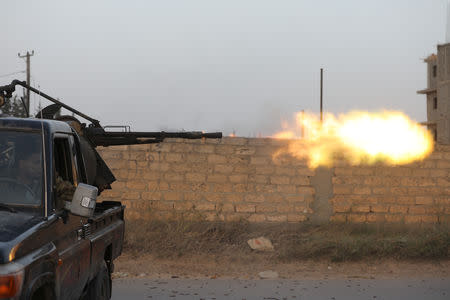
(345, 242)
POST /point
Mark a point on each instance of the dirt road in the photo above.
(133, 289)
(209, 277)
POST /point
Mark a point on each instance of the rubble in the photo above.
(268, 274)
(260, 244)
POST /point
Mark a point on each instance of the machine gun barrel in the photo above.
(99, 137)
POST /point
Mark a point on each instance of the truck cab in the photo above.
(49, 248)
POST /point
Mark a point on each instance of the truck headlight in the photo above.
(11, 280)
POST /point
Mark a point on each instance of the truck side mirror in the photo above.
(83, 201)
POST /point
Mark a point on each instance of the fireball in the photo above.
(358, 137)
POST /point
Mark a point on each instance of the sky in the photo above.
(238, 66)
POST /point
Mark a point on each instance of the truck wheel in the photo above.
(100, 287)
(44, 293)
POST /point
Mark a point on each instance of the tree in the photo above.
(14, 107)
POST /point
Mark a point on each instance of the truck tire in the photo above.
(100, 287)
(44, 293)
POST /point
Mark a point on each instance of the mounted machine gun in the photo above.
(93, 135)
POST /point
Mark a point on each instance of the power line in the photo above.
(13, 73)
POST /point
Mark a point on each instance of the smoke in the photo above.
(447, 34)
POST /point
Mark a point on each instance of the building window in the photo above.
(435, 135)
(434, 71)
(435, 102)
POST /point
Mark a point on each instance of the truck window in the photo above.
(21, 170)
(63, 172)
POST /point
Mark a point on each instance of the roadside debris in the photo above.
(119, 275)
(268, 274)
(260, 244)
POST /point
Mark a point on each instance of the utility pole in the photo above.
(321, 95)
(27, 99)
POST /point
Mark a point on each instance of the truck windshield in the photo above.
(21, 170)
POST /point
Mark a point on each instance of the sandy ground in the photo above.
(248, 267)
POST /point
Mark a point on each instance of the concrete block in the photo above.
(424, 200)
(265, 170)
(203, 148)
(296, 218)
(357, 218)
(362, 190)
(398, 209)
(417, 210)
(234, 198)
(224, 149)
(174, 157)
(193, 197)
(173, 196)
(196, 157)
(266, 208)
(279, 179)
(245, 150)
(443, 182)
(223, 169)
(243, 188)
(245, 208)
(174, 177)
(136, 185)
(213, 197)
(182, 148)
(342, 189)
(338, 218)
(239, 141)
(238, 178)
(341, 208)
(306, 190)
(204, 206)
(257, 218)
(222, 188)
(258, 198)
(153, 196)
(287, 188)
(195, 177)
(200, 186)
(285, 208)
(261, 160)
(376, 218)
(180, 186)
(379, 208)
(217, 159)
(361, 208)
(276, 218)
(295, 198)
(412, 219)
(394, 218)
(301, 180)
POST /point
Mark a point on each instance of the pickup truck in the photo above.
(56, 242)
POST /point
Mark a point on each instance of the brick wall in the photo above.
(223, 179)
(237, 178)
(414, 193)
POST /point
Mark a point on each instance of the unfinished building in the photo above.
(438, 94)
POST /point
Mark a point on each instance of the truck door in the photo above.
(73, 248)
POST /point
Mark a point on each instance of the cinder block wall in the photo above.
(223, 179)
(237, 178)
(414, 193)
